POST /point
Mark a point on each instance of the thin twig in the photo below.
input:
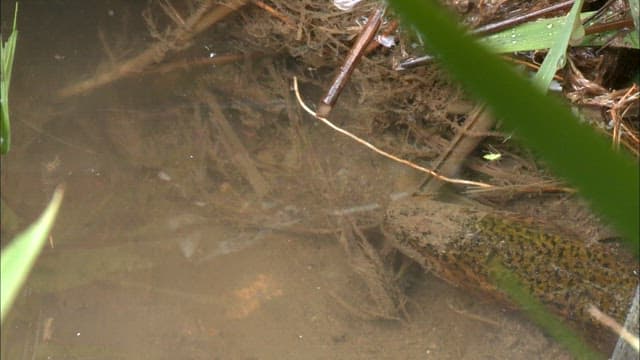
(234, 146)
(356, 52)
(275, 13)
(379, 151)
(517, 20)
(609, 322)
(172, 13)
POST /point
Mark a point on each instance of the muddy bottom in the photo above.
(204, 216)
(274, 300)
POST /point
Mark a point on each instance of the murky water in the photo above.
(201, 218)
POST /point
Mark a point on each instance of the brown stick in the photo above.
(626, 23)
(517, 20)
(234, 146)
(450, 161)
(341, 79)
(155, 53)
(275, 13)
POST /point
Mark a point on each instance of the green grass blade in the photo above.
(635, 13)
(18, 257)
(533, 35)
(556, 57)
(542, 34)
(507, 282)
(573, 151)
(6, 61)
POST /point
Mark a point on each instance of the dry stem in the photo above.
(379, 151)
(199, 21)
(613, 325)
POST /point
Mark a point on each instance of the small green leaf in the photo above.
(492, 156)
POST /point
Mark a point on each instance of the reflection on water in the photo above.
(198, 228)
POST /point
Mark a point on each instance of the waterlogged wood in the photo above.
(197, 23)
(461, 146)
(234, 146)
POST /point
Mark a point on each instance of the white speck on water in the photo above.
(514, 42)
(163, 176)
(513, 35)
(386, 40)
(188, 246)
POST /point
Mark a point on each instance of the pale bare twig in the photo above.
(379, 151)
(172, 13)
(609, 322)
(275, 13)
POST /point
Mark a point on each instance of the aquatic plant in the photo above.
(607, 178)
(19, 256)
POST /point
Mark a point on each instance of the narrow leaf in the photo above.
(6, 62)
(556, 56)
(18, 257)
